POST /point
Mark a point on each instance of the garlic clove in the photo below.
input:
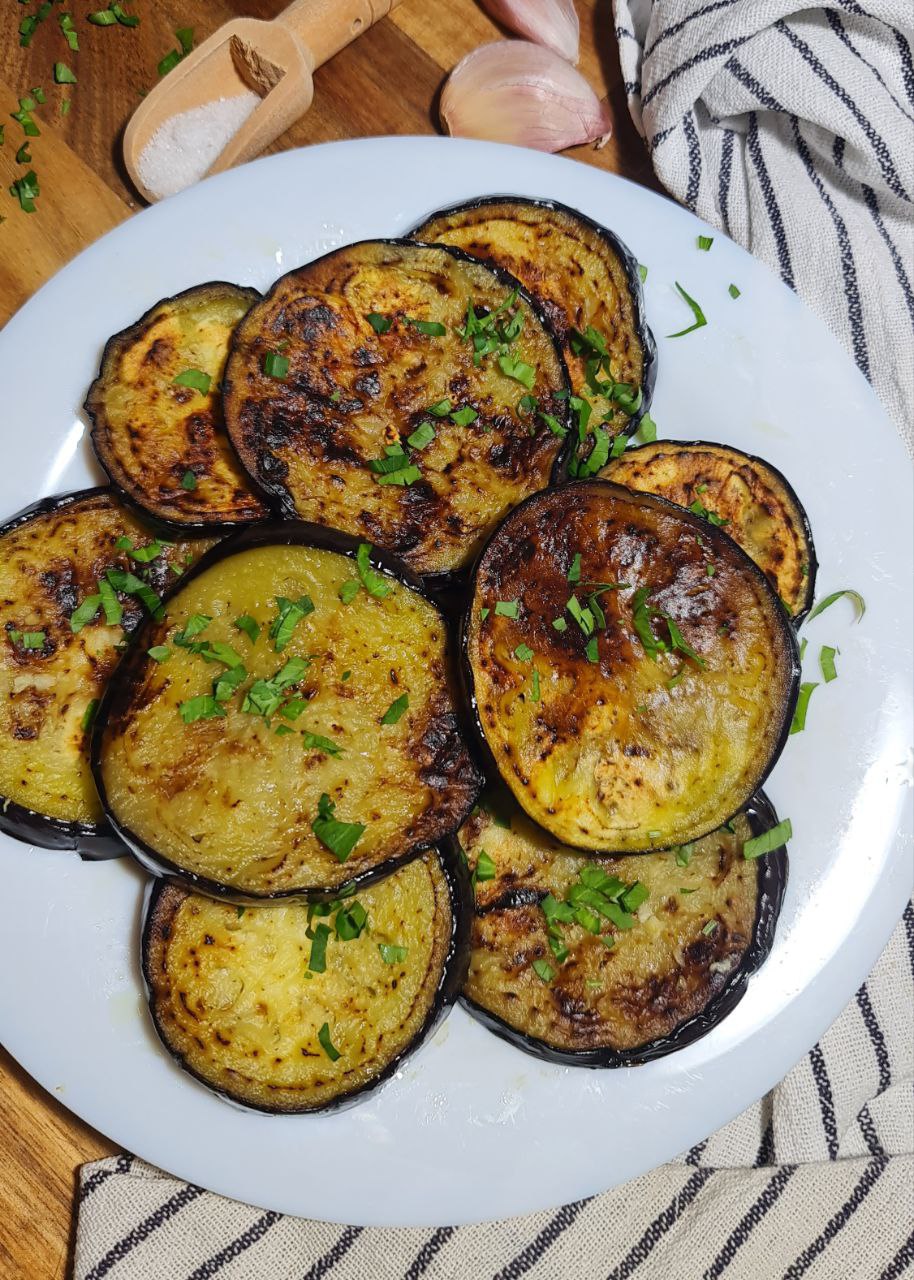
(518, 92)
(553, 23)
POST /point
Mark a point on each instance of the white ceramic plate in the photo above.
(472, 1128)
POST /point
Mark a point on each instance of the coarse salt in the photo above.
(182, 149)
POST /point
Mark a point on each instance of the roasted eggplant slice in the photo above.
(292, 1009)
(403, 393)
(156, 410)
(746, 496)
(588, 283)
(62, 625)
(608, 962)
(633, 673)
(287, 726)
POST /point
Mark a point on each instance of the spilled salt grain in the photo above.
(183, 148)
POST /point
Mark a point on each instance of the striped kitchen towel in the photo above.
(790, 125)
(816, 1180)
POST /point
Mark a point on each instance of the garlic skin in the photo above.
(522, 93)
(553, 23)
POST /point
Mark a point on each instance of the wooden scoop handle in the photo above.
(326, 26)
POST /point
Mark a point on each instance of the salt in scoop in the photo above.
(274, 60)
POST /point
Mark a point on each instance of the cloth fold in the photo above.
(792, 129)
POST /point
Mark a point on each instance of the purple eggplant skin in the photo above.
(284, 533)
(630, 266)
(482, 750)
(773, 872)
(453, 977)
(93, 842)
(438, 585)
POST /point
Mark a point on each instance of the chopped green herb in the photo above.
(634, 896)
(698, 509)
(291, 612)
(485, 867)
(188, 481)
(463, 417)
(684, 854)
(317, 960)
(282, 730)
(647, 430)
(560, 624)
(327, 1044)
(204, 707)
(293, 708)
(543, 969)
(507, 609)
(803, 645)
(85, 613)
(430, 328)
(705, 242)
(423, 435)
(26, 190)
(345, 676)
(854, 596)
(441, 409)
(107, 18)
(483, 614)
(574, 573)
(27, 639)
(89, 715)
(696, 310)
(228, 681)
(249, 626)
(396, 709)
(592, 650)
(598, 456)
(514, 368)
(733, 291)
(219, 651)
(799, 716)
(196, 623)
(391, 953)
(339, 837)
(349, 590)
(535, 686)
(710, 928)
(642, 272)
(641, 620)
(336, 396)
(380, 324)
(275, 365)
(618, 447)
(63, 74)
(769, 840)
(678, 642)
(827, 663)
(23, 155)
(196, 379)
(129, 584)
(554, 425)
(373, 582)
(159, 652)
(316, 742)
(350, 921)
(127, 19)
(523, 653)
(264, 696)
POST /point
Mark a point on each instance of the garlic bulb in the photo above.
(515, 91)
(553, 23)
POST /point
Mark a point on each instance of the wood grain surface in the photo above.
(388, 82)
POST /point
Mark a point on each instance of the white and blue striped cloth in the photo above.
(793, 130)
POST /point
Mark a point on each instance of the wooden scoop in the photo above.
(276, 59)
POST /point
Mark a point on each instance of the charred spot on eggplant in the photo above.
(156, 410)
(587, 282)
(77, 574)
(746, 496)
(607, 962)
(285, 1008)
(630, 698)
(403, 393)
(288, 724)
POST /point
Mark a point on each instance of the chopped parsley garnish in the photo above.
(465, 416)
(705, 242)
(291, 612)
(264, 696)
(228, 681)
(699, 509)
(349, 590)
(26, 190)
(647, 430)
(700, 320)
(598, 456)
(316, 742)
(574, 573)
(327, 1044)
(554, 425)
(85, 613)
(189, 481)
(293, 708)
(523, 653)
(196, 623)
(339, 837)
(275, 365)
(684, 854)
(733, 291)
(219, 651)
(799, 716)
(345, 676)
(441, 409)
(27, 639)
(592, 650)
(159, 652)
(769, 840)
(204, 707)
(194, 378)
(146, 554)
(641, 620)
(518, 370)
(423, 435)
(430, 328)
(827, 663)
(507, 609)
(373, 582)
(130, 585)
(396, 709)
(317, 960)
(582, 615)
(677, 641)
(89, 715)
(854, 596)
(114, 611)
(535, 686)
(380, 324)
(391, 953)
(485, 867)
(249, 626)
(23, 155)
(350, 921)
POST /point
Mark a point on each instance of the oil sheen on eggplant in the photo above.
(364, 717)
(52, 556)
(162, 442)
(647, 722)
(240, 997)
(583, 276)
(631, 990)
(359, 353)
(755, 503)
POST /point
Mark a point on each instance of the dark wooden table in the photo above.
(386, 83)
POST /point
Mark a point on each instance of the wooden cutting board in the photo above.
(85, 192)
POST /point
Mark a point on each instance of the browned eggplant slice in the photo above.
(289, 1010)
(403, 393)
(59, 642)
(156, 410)
(608, 962)
(588, 283)
(745, 495)
(288, 725)
(633, 673)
